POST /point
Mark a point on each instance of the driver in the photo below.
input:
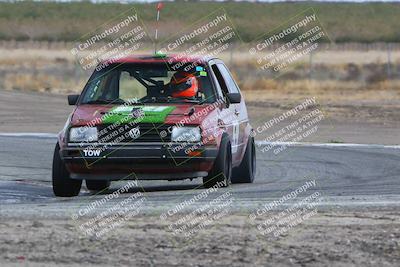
(183, 84)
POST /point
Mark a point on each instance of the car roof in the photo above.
(159, 59)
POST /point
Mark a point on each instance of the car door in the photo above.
(232, 115)
(239, 119)
(226, 110)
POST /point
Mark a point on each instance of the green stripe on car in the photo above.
(138, 114)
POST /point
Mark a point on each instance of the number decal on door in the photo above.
(235, 136)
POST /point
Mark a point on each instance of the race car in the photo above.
(155, 118)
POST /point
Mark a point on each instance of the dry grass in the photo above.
(326, 91)
(38, 83)
(359, 75)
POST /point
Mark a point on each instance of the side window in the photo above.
(232, 86)
(220, 79)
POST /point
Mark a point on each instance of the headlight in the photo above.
(83, 134)
(185, 134)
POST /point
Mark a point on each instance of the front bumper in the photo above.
(138, 161)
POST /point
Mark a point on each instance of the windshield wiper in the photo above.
(189, 100)
(154, 99)
(165, 99)
(192, 101)
(105, 101)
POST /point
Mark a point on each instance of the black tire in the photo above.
(246, 171)
(63, 185)
(221, 172)
(97, 185)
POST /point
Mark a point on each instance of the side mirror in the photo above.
(72, 99)
(234, 98)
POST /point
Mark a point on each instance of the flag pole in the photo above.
(159, 7)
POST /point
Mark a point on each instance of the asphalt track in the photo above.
(346, 175)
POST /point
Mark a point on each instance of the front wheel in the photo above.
(220, 174)
(246, 171)
(63, 185)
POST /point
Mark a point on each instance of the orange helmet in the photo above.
(184, 84)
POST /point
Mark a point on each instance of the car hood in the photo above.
(92, 115)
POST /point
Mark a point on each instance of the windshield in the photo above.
(148, 83)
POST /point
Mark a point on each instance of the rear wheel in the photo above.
(221, 172)
(97, 185)
(63, 185)
(246, 171)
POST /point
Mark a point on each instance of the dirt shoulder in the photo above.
(362, 116)
(335, 239)
(32, 112)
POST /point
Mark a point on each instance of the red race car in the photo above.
(155, 118)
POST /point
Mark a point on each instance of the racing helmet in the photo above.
(184, 84)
